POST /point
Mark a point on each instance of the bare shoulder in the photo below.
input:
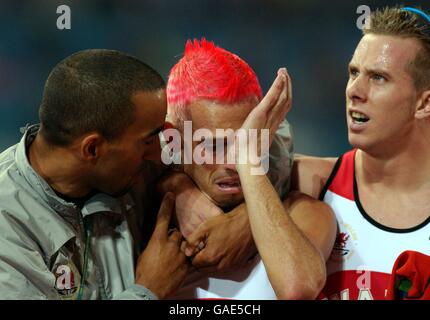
(310, 174)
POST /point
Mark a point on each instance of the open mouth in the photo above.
(358, 118)
(226, 185)
(229, 185)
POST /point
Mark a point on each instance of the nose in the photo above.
(230, 166)
(357, 89)
(230, 157)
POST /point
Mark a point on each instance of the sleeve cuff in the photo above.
(136, 292)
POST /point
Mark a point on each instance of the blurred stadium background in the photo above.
(313, 39)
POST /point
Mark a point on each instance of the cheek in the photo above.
(394, 120)
(200, 173)
(153, 151)
(132, 160)
(394, 105)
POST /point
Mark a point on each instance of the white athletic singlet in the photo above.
(365, 251)
(249, 282)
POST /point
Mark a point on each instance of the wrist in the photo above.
(140, 281)
(254, 166)
(247, 169)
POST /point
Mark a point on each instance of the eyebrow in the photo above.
(154, 132)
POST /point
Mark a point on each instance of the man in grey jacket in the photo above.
(69, 228)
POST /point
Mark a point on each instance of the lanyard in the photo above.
(88, 230)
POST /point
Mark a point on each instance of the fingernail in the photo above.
(282, 71)
(188, 252)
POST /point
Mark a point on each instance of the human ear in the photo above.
(423, 107)
(92, 147)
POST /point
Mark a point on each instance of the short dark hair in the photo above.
(91, 90)
(394, 21)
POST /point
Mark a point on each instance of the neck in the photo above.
(401, 165)
(57, 168)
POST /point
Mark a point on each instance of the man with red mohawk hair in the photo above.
(216, 89)
(209, 72)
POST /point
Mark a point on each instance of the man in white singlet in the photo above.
(380, 190)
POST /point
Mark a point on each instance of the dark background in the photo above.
(313, 39)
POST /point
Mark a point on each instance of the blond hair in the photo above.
(395, 21)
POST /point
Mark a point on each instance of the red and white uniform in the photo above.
(365, 251)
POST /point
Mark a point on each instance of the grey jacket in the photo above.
(42, 238)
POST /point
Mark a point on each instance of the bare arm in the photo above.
(310, 174)
(315, 219)
(293, 245)
(294, 258)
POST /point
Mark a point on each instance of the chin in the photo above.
(121, 192)
(228, 203)
(366, 145)
(356, 141)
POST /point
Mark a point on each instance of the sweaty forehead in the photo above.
(212, 115)
(385, 52)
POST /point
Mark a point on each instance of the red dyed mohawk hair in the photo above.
(210, 72)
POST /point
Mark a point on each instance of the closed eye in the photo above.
(150, 141)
